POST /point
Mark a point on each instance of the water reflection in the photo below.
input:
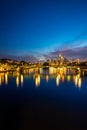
(60, 74)
(0, 80)
(41, 71)
(57, 80)
(37, 80)
(79, 83)
(17, 81)
(62, 78)
(77, 80)
(47, 78)
(68, 78)
(83, 73)
(22, 80)
(6, 78)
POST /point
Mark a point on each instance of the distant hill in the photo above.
(6, 60)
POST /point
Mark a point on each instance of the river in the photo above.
(54, 98)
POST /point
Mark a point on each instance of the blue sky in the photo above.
(35, 28)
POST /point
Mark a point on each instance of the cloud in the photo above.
(77, 41)
(68, 47)
(76, 48)
(80, 52)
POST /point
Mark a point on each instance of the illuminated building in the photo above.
(18, 69)
(78, 61)
(60, 59)
(52, 70)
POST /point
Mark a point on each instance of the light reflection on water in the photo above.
(45, 95)
(37, 80)
(77, 80)
(47, 78)
(61, 75)
(22, 79)
(57, 80)
(0, 80)
(68, 78)
(17, 81)
(6, 78)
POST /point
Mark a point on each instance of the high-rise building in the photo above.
(60, 59)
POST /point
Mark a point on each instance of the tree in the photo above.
(45, 64)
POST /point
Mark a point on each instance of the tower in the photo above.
(60, 59)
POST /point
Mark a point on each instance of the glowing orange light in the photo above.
(79, 83)
(76, 80)
(37, 80)
(17, 81)
(6, 79)
(63, 78)
(47, 78)
(68, 78)
(57, 80)
(0, 81)
(22, 80)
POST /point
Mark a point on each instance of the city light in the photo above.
(59, 71)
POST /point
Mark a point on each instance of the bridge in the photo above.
(22, 68)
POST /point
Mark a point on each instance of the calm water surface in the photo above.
(50, 99)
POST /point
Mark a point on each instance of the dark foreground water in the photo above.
(43, 101)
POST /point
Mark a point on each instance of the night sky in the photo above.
(40, 29)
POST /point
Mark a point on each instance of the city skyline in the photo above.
(37, 30)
